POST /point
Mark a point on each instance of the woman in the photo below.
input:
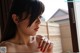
(23, 23)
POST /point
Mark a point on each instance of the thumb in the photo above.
(39, 38)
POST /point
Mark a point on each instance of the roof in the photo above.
(59, 14)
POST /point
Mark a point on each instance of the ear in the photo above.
(15, 18)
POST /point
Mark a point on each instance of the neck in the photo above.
(21, 38)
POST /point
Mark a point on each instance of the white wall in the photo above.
(77, 16)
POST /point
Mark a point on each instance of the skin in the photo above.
(23, 34)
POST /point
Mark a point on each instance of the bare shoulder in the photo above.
(3, 44)
(8, 46)
(3, 47)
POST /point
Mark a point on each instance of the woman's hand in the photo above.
(44, 44)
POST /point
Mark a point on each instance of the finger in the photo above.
(42, 46)
(39, 38)
(51, 45)
(48, 44)
(41, 42)
(45, 44)
(39, 46)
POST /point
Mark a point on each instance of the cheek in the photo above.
(34, 25)
(23, 24)
(30, 31)
(27, 30)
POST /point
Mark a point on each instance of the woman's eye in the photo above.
(40, 17)
(38, 20)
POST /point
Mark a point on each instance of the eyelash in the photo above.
(38, 20)
(40, 17)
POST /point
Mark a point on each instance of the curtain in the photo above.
(4, 8)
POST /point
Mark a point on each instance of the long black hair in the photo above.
(18, 7)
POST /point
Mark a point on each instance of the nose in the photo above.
(39, 21)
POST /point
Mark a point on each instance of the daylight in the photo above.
(51, 6)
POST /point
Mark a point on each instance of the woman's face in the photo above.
(24, 29)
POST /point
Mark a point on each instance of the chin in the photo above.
(33, 34)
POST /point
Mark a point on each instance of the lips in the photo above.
(36, 29)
